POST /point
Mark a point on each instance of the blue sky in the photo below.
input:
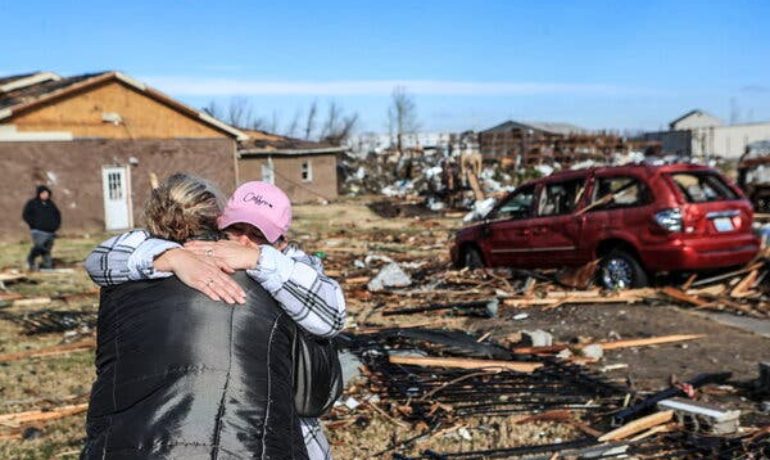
(599, 64)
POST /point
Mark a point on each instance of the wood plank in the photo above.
(41, 415)
(637, 426)
(618, 344)
(49, 351)
(462, 363)
(678, 294)
(745, 286)
(32, 302)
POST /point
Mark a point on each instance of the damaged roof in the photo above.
(546, 127)
(264, 143)
(19, 93)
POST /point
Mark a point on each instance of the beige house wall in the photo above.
(288, 175)
(80, 113)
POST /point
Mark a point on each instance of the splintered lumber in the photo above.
(617, 344)
(610, 345)
(463, 363)
(724, 276)
(580, 277)
(18, 418)
(666, 428)
(557, 299)
(678, 294)
(86, 344)
(637, 426)
(744, 286)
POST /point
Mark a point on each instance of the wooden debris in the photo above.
(465, 363)
(744, 286)
(637, 426)
(581, 277)
(19, 418)
(726, 276)
(666, 428)
(86, 344)
(618, 344)
(678, 294)
(32, 302)
(610, 345)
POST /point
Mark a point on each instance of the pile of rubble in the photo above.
(441, 382)
(436, 380)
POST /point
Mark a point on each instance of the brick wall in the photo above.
(74, 172)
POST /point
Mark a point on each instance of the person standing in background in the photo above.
(44, 219)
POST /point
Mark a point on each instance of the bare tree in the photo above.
(215, 110)
(238, 113)
(332, 119)
(402, 114)
(337, 127)
(274, 121)
(310, 120)
(291, 131)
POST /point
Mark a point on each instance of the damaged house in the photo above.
(305, 170)
(96, 140)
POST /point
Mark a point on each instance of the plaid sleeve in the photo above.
(126, 257)
(297, 282)
(315, 440)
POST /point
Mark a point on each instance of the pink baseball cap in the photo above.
(260, 204)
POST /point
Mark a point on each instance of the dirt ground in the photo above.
(343, 232)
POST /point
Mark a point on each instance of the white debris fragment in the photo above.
(391, 276)
(351, 403)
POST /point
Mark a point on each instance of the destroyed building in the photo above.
(533, 143)
(96, 139)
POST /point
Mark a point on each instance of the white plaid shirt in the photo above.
(295, 279)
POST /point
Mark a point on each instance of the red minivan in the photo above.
(638, 219)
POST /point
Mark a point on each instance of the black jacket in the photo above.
(42, 215)
(182, 376)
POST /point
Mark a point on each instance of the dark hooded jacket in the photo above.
(182, 376)
(42, 215)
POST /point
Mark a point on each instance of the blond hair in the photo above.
(183, 207)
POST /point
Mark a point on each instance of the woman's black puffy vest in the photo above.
(182, 376)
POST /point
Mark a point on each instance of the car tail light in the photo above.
(670, 219)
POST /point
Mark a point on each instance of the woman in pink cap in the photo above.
(255, 221)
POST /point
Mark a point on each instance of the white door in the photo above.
(117, 197)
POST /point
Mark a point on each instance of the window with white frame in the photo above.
(307, 171)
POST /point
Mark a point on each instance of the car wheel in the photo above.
(472, 258)
(621, 270)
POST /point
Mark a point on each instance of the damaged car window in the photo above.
(700, 188)
(518, 206)
(619, 192)
(560, 198)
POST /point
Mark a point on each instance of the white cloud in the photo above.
(189, 86)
